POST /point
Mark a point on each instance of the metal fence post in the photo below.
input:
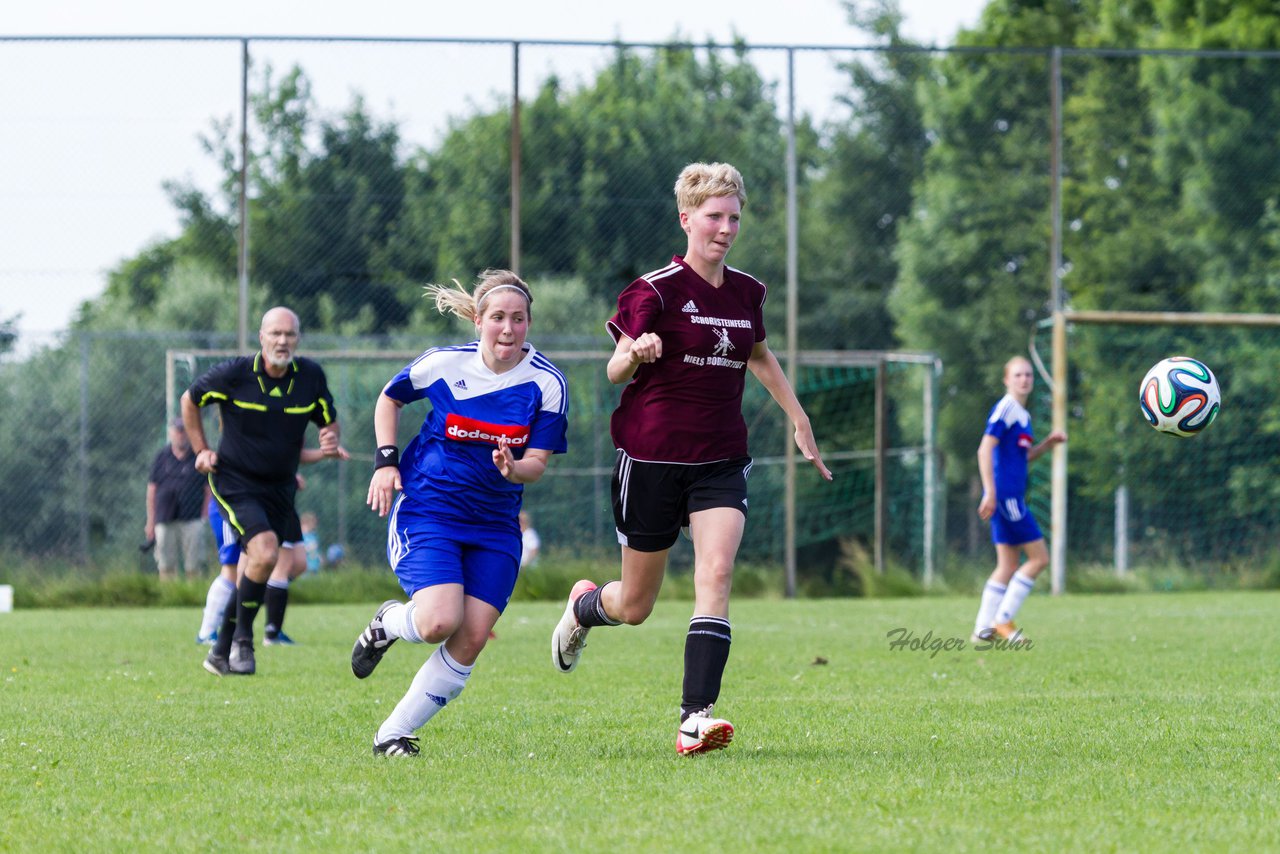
(242, 341)
(793, 302)
(83, 454)
(516, 155)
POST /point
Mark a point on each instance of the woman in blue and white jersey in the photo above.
(1007, 446)
(498, 413)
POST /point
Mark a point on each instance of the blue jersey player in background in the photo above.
(1008, 445)
(498, 413)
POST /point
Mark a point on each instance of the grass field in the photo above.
(1134, 723)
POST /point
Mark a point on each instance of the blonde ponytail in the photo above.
(460, 302)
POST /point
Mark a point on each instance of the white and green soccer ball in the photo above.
(1180, 395)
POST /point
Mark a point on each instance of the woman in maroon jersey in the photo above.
(686, 334)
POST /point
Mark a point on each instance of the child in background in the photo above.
(310, 542)
(530, 542)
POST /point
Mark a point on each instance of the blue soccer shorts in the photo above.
(425, 551)
(1012, 524)
(224, 535)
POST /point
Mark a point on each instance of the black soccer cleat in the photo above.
(372, 644)
(241, 662)
(405, 745)
(216, 664)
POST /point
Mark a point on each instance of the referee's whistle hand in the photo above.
(329, 440)
(207, 461)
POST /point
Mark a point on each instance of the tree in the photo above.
(598, 165)
(8, 333)
(864, 191)
(319, 221)
(1168, 196)
(974, 277)
(319, 230)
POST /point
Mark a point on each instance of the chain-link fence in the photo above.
(934, 201)
(89, 449)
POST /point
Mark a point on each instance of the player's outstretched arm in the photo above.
(764, 365)
(1056, 437)
(385, 482)
(315, 455)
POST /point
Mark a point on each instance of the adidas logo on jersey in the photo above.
(462, 384)
(689, 307)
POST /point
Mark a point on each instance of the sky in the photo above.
(98, 127)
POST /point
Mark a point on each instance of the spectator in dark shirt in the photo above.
(176, 496)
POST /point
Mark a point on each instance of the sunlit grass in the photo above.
(1139, 722)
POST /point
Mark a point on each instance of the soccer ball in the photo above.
(1179, 395)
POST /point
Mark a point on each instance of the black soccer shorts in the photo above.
(652, 501)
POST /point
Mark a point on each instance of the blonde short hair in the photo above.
(701, 181)
(469, 305)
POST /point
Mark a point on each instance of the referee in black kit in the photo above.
(266, 400)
